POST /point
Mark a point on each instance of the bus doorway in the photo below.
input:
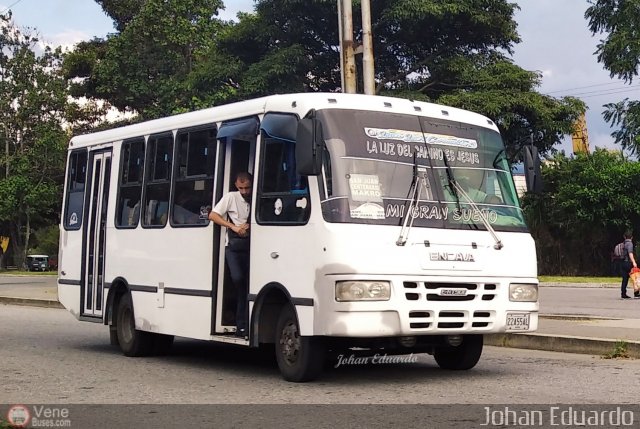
(238, 150)
(94, 239)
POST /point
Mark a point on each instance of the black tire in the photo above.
(299, 358)
(462, 357)
(132, 341)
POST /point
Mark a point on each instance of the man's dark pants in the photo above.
(238, 262)
(625, 267)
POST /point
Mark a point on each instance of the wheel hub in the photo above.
(290, 343)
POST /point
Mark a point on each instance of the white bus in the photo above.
(377, 223)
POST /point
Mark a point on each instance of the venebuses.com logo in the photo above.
(18, 416)
(22, 416)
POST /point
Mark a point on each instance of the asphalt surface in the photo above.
(574, 318)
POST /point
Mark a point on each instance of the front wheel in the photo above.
(464, 356)
(299, 358)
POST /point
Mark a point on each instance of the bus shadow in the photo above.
(261, 363)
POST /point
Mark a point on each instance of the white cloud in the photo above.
(67, 39)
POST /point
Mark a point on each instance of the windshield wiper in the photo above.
(415, 190)
(455, 189)
(452, 183)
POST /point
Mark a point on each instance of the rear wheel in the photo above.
(464, 356)
(132, 341)
(299, 358)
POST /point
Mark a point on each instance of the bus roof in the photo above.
(300, 104)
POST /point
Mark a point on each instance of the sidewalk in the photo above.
(574, 318)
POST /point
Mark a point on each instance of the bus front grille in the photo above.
(450, 292)
(425, 320)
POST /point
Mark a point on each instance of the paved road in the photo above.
(603, 302)
(33, 287)
(49, 357)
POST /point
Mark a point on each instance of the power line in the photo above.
(618, 91)
(584, 87)
(15, 3)
(606, 91)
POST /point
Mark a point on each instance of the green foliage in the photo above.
(625, 115)
(619, 52)
(46, 240)
(145, 67)
(451, 52)
(173, 56)
(588, 203)
(33, 106)
(506, 93)
(619, 351)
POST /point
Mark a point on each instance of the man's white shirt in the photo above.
(233, 206)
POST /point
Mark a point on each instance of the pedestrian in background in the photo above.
(628, 262)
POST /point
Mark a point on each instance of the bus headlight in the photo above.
(358, 290)
(522, 292)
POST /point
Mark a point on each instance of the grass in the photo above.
(28, 273)
(572, 279)
(619, 351)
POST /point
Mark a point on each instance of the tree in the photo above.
(145, 67)
(171, 56)
(619, 52)
(33, 101)
(450, 52)
(576, 222)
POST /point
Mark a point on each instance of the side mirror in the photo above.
(309, 147)
(532, 173)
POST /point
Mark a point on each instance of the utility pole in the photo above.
(341, 48)
(367, 53)
(346, 41)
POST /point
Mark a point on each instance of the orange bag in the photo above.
(634, 274)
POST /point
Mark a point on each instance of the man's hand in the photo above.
(241, 230)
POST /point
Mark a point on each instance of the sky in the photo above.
(554, 33)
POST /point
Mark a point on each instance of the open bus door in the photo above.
(237, 154)
(93, 260)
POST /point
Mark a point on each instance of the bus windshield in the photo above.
(370, 160)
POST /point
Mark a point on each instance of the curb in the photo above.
(561, 343)
(30, 302)
(580, 285)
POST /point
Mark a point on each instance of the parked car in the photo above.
(37, 262)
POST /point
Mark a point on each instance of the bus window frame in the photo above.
(119, 184)
(174, 179)
(65, 222)
(260, 179)
(147, 181)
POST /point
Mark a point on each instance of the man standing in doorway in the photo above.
(232, 212)
(628, 262)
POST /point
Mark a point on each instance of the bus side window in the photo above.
(157, 184)
(283, 195)
(77, 173)
(193, 184)
(130, 184)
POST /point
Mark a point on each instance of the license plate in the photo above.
(517, 321)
